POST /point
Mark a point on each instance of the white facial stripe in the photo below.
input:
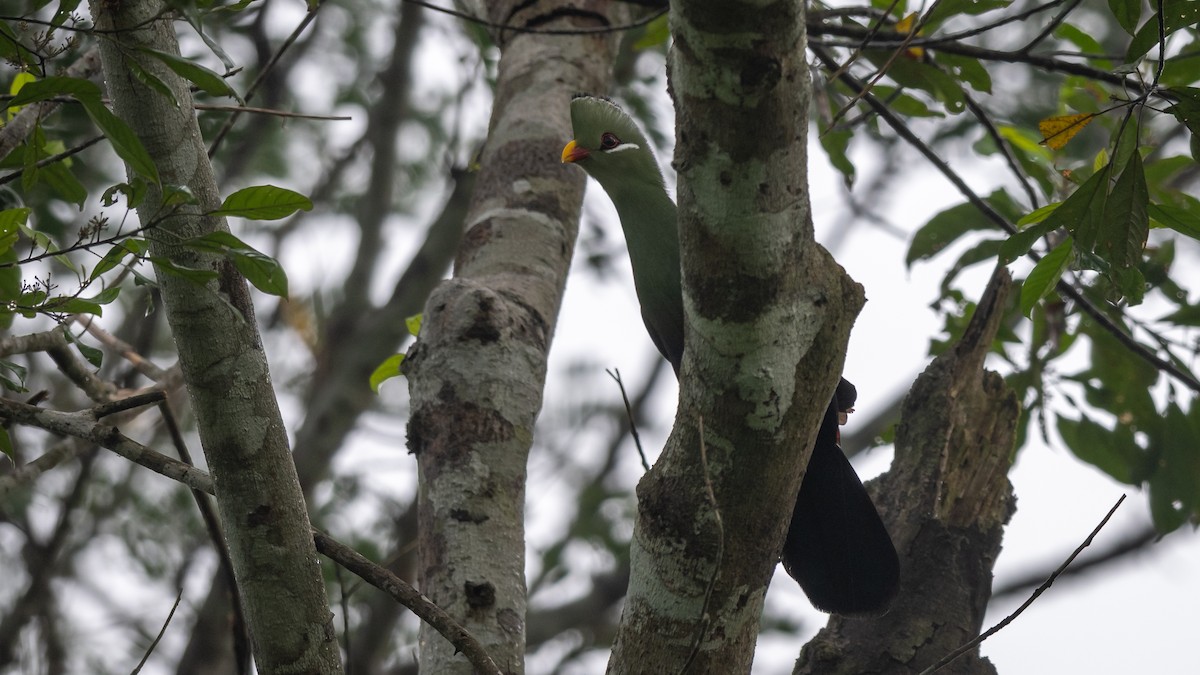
(624, 146)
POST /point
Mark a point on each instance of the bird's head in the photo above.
(608, 144)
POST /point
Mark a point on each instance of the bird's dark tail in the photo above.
(837, 548)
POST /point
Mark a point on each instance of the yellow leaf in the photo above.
(905, 25)
(20, 80)
(1056, 131)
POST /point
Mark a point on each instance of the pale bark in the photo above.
(477, 370)
(243, 437)
(768, 317)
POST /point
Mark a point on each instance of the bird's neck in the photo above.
(648, 217)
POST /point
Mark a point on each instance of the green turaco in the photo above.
(837, 548)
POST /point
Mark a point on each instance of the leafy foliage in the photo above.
(1112, 196)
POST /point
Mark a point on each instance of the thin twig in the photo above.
(212, 525)
(344, 604)
(1002, 145)
(95, 387)
(1132, 543)
(705, 619)
(616, 375)
(82, 245)
(882, 70)
(408, 596)
(10, 177)
(1040, 62)
(58, 454)
(127, 352)
(161, 631)
(262, 76)
(1051, 26)
(876, 26)
(270, 111)
(128, 403)
(1037, 593)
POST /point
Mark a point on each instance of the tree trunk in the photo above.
(477, 370)
(768, 317)
(245, 443)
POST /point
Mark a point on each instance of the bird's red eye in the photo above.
(609, 141)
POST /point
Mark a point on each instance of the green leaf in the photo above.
(1127, 13)
(94, 356)
(1176, 14)
(1126, 142)
(385, 371)
(263, 202)
(1112, 451)
(1037, 215)
(6, 445)
(1044, 275)
(52, 87)
(218, 242)
(134, 193)
(1019, 244)
(1175, 217)
(1080, 211)
(923, 76)
(107, 295)
(1188, 315)
(67, 305)
(1130, 283)
(11, 221)
(656, 34)
(413, 324)
(969, 70)
(174, 195)
(192, 14)
(1084, 41)
(114, 257)
(65, 185)
(207, 80)
(263, 271)
(1126, 225)
(1175, 485)
(836, 144)
(944, 229)
(12, 376)
(1187, 112)
(151, 81)
(168, 266)
(126, 143)
(983, 251)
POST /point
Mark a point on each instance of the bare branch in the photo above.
(1037, 593)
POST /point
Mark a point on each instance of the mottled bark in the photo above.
(768, 318)
(477, 370)
(946, 501)
(244, 441)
